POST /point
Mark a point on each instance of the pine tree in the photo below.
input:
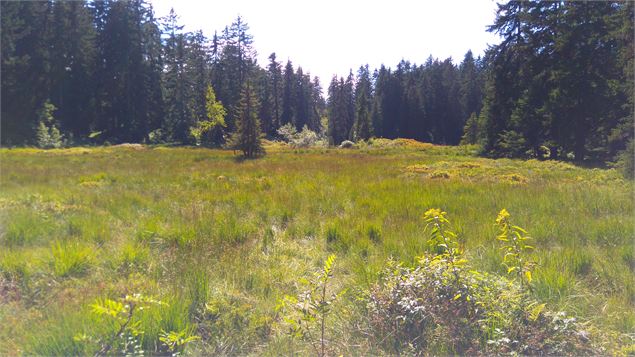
(471, 130)
(335, 128)
(177, 84)
(362, 129)
(288, 114)
(247, 137)
(197, 73)
(340, 109)
(25, 68)
(318, 104)
(275, 83)
(554, 79)
(236, 64)
(470, 87)
(73, 56)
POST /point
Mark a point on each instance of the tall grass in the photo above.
(197, 228)
(71, 259)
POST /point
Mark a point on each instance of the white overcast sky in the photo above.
(328, 37)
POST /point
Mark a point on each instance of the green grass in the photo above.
(221, 240)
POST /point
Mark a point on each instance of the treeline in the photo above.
(109, 71)
(559, 85)
(429, 102)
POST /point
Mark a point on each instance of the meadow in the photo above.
(221, 241)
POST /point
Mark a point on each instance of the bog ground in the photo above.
(198, 229)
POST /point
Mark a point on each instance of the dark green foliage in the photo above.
(48, 135)
(274, 75)
(363, 127)
(128, 83)
(179, 116)
(471, 130)
(561, 76)
(626, 160)
(429, 102)
(25, 67)
(341, 110)
(247, 136)
(117, 74)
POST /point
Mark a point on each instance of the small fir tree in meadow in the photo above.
(247, 137)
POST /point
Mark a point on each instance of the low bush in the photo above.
(441, 305)
(303, 139)
(347, 144)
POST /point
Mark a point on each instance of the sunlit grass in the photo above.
(227, 239)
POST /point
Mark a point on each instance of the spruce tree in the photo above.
(275, 81)
(247, 137)
(362, 129)
(25, 69)
(288, 95)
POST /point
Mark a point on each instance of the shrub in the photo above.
(303, 139)
(347, 144)
(544, 152)
(307, 313)
(442, 306)
(126, 330)
(156, 136)
(287, 132)
(48, 135)
(516, 249)
(511, 144)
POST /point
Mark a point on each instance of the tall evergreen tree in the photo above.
(363, 129)
(247, 137)
(177, 83)
(25, 67)
(275, 82)
(288, 114)
(72, 67)
(470, 86)
(197, 71)
(236, 64)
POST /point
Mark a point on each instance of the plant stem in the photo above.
(106, 348)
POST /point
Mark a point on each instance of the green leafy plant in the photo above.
(439, 306)
(311, 308)
(448, 251)
(177, 340)
(210, 131)
(516, 249)
(121, 312)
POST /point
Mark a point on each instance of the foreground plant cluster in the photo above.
(443, 305)
(135, 250)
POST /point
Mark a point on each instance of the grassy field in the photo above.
(198, 229)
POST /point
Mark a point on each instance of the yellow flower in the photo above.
(433, 213)
(502, 216)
